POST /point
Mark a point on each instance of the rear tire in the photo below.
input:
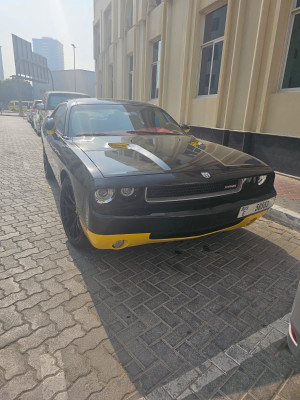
(69, 216)
(47, 168)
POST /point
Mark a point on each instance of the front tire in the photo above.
(69, 216)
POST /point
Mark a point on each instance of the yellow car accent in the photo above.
(135, 239)
(52, 131)
(118, 145)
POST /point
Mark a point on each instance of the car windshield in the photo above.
(120, 119)
(55, 99)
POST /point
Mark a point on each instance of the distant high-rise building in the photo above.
(1, 67)
(51, 49)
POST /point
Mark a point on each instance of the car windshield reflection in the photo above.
(119, 119)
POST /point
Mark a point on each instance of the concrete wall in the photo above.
(65, 80)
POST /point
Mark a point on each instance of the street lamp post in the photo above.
(74, 47)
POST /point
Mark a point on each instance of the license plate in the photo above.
(256, 207)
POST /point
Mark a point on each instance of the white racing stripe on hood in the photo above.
(149, 155)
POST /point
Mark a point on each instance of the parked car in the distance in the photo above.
(31, 111)
(130, 175)
(13, 105)
(37, 119)
(52, 99)
(294, 327)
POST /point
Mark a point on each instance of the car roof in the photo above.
(65, 92)
(92, 101)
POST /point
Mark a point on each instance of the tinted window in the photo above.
(60, 118)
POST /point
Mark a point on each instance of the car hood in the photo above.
(145, 154)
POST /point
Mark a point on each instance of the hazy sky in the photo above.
(69, 21)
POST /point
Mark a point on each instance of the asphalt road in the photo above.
(199, 319)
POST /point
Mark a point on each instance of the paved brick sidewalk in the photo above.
(201, 319)
(288, 192)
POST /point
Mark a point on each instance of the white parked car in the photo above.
(294, 328)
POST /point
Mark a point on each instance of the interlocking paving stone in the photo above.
(153, 376)
(160, 315)
(12, 361)
(42, 362)
(190, 354)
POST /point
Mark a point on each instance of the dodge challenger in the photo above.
(130, 175)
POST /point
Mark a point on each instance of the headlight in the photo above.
(261, 179)
(127, 191)
(104, 195)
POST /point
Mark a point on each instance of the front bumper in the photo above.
(135, 239)
(104, 230)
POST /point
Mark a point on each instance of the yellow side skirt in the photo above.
(135, 239)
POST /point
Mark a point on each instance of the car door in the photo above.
(55, 143)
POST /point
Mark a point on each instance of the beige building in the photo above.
(230, 69)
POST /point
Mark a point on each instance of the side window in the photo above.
(60, 118)
(291, 78)
(211, 51)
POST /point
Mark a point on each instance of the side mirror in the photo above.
(50, 125)
(40, 106)
(185, 127)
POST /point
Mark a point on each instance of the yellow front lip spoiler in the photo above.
(106, 242)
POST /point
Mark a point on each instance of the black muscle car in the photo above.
(130, 175)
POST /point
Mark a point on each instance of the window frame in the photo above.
(294, 11)
(207, 44)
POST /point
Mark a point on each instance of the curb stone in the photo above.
(284, 217)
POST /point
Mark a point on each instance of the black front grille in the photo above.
(196, 232)
(159, 193)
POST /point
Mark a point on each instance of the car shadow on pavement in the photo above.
(203, 318)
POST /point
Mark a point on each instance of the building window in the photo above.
(100, 85)
(96, 41)
(153, 3)
(130, 73)
(111, 81)
(291, 78)
(128, 15)
(155, 69)
(108, 26)
(211, 51)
